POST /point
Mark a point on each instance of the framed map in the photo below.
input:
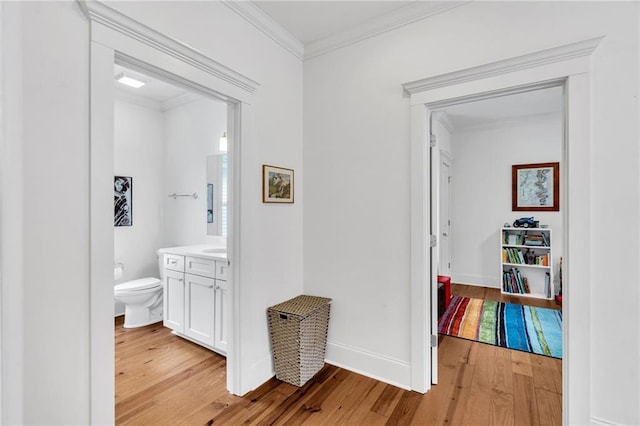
(535, 187)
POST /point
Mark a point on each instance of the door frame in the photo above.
(116, 38)
(569, 65)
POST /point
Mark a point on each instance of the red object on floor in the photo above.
(446, 281)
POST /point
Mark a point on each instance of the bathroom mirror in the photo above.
(216, 191)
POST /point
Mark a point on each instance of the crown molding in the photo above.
(162, 106)
(542, 57)
(114, 20)
(183, 99)
(263, 22)
(498, 123)
(132, 98)
(400, 17)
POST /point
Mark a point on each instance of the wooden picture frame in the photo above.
(535, 187)
(277, 184)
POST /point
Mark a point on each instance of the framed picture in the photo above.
(123, 201)
(277, 184)
(535, 187)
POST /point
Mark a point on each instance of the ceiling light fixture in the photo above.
(223, 143)
(129, 81)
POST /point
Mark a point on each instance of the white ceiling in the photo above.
(526, 104)
(154, 90)
(309, 21)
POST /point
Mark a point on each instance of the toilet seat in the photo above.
(138, 285)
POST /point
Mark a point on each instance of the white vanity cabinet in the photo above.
(173, 309)
(196, 299)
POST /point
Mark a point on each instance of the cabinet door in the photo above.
(173, 303)
(199, 305)
(222, 315)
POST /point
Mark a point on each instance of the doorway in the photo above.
(569, 64)
(160, 56)
(175, 144)
(482, 140)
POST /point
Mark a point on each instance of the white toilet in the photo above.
(142, 299)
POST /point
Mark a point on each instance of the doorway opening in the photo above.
(474, 147)
(567, 64)
(481, 141)
(174, 144)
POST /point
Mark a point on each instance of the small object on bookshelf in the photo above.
(526, 262)
(525, 222)
(530, 257)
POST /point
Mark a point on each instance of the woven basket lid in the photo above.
(301, 305)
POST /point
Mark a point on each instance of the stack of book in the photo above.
(514, 282)
(536, 240)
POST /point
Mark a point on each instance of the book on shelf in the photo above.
(545, 240)
(533, 240)
(547, 285)
(542, 260)
(514, 282)
(514, 239)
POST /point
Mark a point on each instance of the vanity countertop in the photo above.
(206, 251)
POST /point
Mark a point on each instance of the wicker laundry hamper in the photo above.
(298, 329)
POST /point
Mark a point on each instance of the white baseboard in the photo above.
(477, 280)
(379, 367)
(601, 422)
(257, 374)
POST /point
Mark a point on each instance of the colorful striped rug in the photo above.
(524, 328)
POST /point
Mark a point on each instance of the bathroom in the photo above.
(170, 144)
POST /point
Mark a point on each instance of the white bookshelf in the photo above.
(526, 262)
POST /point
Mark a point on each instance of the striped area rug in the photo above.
(524, 328)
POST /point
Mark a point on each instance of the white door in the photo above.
(198, 308)
(221, 316)
(434, 201)
(173, 300)
(445, 216)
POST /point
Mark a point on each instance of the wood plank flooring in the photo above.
(164, 380)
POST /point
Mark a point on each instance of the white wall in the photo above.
(138, 152)
(357, 180)
(49, 383)
(48, 293)
(192, 132)
(481, 188)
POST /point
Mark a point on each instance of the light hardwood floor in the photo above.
(164, 380)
